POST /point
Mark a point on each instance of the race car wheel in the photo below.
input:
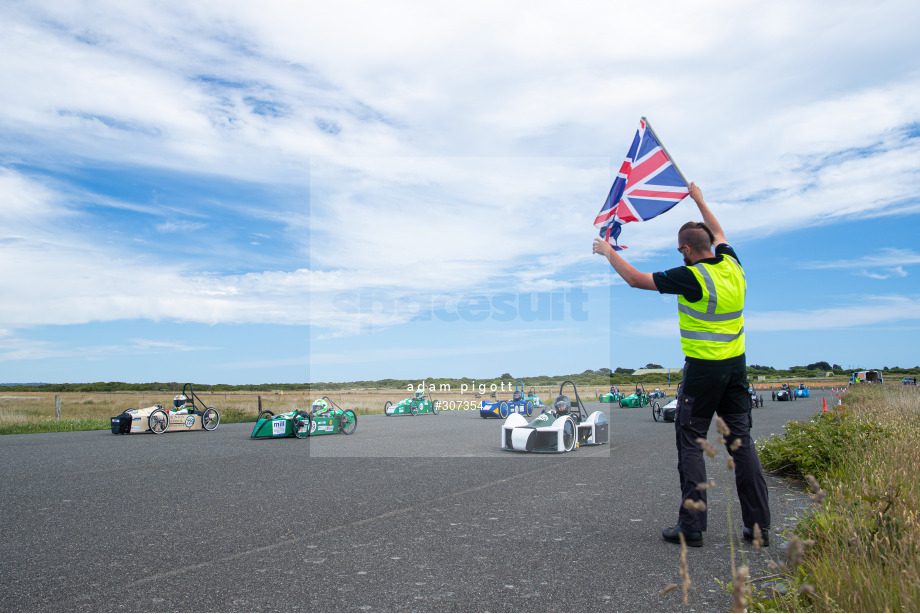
(656, 411)
(386, 406)
(568, 435)
(266, 415)
(774, 396)
(621, 403)
(435, 407)
(301, 425)
(158, 421)
(761, 400)
(414, 410)
(528, 408)
(348, 422)
(210, 419)
(503, 410)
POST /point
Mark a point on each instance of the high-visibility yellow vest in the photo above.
(713, 327)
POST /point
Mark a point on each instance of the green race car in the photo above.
(637, 399)
(421, 403)
(533, 398)
(324, 418)
(613, 396)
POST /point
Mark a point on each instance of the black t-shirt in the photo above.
(680, 280)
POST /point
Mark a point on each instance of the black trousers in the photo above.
(718, 387)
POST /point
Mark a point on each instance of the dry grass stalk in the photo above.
(740, 589)
(706, 485)
(795, 552)
(758, 537)
(818, 494)
(684, 569)
(690, 504)
(722, 428)
(670, 587)
(708, 448)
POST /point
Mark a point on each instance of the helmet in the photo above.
(320, 405)
(562, 404)
(180, 400)
(517, 396)
(419, 394)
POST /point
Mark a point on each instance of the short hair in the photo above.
(697, 235)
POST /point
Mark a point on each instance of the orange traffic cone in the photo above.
(824, 403)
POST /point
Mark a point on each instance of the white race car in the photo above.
(185, 415)
(562, 427)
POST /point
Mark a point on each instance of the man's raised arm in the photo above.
(708, 218)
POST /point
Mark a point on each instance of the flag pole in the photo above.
(665, 150)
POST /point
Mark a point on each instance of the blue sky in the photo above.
(246, 193)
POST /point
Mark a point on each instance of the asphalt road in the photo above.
(419, 513)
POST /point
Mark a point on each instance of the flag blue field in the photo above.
(647, 185)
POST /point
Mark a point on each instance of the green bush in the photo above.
(819, 446)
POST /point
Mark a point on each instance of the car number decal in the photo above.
(190, 422)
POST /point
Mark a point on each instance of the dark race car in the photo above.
(784, 394)
(666, 413)
(756, 401)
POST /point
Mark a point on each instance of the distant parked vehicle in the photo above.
(867, 377)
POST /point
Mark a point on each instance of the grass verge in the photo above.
(859, 549)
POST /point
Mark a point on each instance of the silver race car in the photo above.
(562, 427)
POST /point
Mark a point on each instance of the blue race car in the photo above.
(502, 409)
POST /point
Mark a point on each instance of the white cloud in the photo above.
(863, 312)
(446, 148)
(886, 257)
(19, 349)
(868, 311)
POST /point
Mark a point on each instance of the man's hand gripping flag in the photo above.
(648, 184)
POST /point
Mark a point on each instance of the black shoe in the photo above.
(691, 538)
(748, 535)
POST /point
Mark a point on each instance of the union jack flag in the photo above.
(648, 184)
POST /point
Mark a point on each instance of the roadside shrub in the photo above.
(858, 549)
(818, 447)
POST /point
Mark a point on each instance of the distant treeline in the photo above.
(600, 377)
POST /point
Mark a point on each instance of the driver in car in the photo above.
(319, 407)
(561, 406)
(179, 404)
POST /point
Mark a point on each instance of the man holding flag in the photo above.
(711, 290)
